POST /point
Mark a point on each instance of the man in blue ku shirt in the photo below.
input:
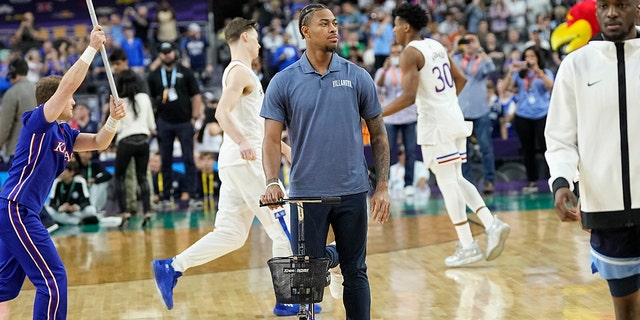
(45, 145)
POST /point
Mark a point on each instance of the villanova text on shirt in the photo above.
(342, 83)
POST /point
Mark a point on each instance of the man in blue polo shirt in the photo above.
(321, 99)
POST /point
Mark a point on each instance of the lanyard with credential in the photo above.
(475, 65)
(395, 77)
(165, 92)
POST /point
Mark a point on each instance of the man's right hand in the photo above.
(566, 205)
(97, 38)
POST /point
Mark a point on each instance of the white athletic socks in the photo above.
(464, 235)
(485, 216)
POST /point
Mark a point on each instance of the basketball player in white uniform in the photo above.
(240, 165)
(432, 81)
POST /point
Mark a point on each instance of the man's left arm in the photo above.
(380, 201)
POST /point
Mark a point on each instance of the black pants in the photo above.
(531, 135)
(136, 147)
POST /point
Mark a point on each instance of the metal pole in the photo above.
(103, 52)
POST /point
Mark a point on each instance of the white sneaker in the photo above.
(497, 235)
(336, 287)
(409, 191)
(531, 188)
(465, 256)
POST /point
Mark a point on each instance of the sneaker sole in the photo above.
(155, 280)
(497, 251)
(479, 258)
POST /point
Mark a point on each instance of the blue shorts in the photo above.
(615, 254)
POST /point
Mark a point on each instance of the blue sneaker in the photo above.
(166, 280)
(282, 309)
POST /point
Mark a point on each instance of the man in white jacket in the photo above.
(590, 128)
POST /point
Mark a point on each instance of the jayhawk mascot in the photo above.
(580, 27)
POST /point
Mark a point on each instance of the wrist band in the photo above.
(111, 125)
(88, 54)
(273, 184)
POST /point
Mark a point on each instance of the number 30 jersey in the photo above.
(440, 118)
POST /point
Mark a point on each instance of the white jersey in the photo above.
(440, 119)
(246, 115)
(596, 88)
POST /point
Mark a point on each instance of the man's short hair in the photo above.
(46, 87)
(307, 13)
(236, 27)
(414, 15)
(118, 54)
(18, 67)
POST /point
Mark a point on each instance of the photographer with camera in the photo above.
(533, 93)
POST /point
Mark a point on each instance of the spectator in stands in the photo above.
(167, 25)
(543, 46)
(536, 8)
(285, 55)
(473, 14)
(175, 187)
(351, 19)
(62, 46)
(195, 46)
(503, 108)
(381, 34)
(449, 26)
(208, 182)
(117, 29)
(473, 100)
(534, 84)
(52, 65)
(96, 177)
(69, 202)
(120, 62)
(513, 42)
(21, 97)
(177, 98)
(518, 21)
(496, 55)
(28, 35)
(271, 41)
(499, 15)
(398, 175)
(256, 66)
(140, 22)
(34, 62)
(351, 41)
(134, 49)
(5, 59)
(209, 136)
(291, 29)
(82, 118)
(132, 140)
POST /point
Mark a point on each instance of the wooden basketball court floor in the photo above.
(542, 274)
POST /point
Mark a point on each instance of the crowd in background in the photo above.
(504, 29)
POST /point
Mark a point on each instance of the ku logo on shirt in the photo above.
(61, 148)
